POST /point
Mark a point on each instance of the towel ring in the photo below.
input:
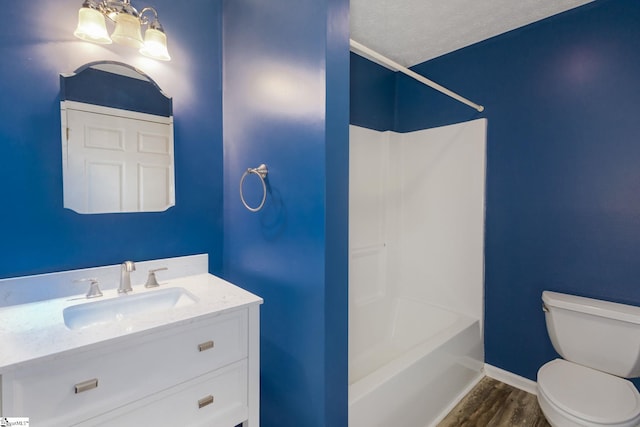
(262, 172)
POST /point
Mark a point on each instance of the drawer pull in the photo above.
(205, 401)
(205, 346)
(86, 385)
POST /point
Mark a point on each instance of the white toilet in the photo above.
(600, 344)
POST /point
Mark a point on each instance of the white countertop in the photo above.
(36, 331)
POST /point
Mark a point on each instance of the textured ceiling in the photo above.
(413, 31)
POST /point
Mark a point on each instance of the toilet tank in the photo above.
(599, 334)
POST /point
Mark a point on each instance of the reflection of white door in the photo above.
(117, 160)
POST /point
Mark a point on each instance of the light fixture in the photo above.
(128, 24)
(155, 40)
(91, 25)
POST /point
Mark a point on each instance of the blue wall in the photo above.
(38, 233)
(286, 71)
(286, 104)
(372, 95)
(563, 182)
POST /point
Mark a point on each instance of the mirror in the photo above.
(117, 140)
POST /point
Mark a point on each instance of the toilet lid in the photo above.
(589, 394)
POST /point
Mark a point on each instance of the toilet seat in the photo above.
(586, 397)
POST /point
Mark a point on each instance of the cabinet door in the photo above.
(63, 391)
(216, 399)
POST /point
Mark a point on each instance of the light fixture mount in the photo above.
(128, 23)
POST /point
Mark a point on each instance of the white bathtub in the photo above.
(428, 360)
(416, 237)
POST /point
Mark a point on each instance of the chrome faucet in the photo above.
(125, 277)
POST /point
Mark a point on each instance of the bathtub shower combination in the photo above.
(415, 272)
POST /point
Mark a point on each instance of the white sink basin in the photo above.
(124, 307)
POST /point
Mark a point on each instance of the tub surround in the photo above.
(416, 272)
(41, 348)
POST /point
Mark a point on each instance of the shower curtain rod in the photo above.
(359, 48)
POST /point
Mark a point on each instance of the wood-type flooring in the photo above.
(496, 404)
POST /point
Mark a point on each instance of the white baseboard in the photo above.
(510, 378)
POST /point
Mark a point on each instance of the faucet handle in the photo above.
(94, 287)
(152, 282)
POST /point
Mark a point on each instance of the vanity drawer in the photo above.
(216, 399)
(75, 387)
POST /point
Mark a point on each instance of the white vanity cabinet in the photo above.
(204, 373)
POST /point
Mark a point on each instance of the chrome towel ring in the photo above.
(262, 173)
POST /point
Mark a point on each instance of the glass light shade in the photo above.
(127, 31)
(155, 45)
(91, 26)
